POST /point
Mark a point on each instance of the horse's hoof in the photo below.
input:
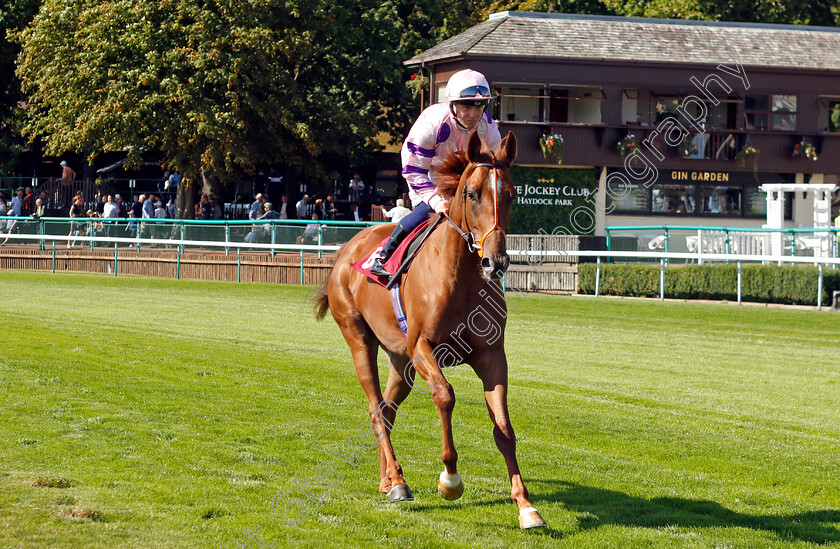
(400, 492)
(530, 518)
(450, 487)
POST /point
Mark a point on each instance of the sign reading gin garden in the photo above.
(548, 199)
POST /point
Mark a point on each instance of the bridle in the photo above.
(477, 244)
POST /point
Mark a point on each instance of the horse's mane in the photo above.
(448, 174)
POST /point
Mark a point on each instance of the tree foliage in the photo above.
(14, 15)
(218, 85)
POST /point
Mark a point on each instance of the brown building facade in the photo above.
(665, 121)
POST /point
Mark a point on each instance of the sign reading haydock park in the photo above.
(553, 200)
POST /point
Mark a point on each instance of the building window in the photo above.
(521, 104)
(774, 112)
(675, 199)
(441, 93)
(575, 105)
(829, 114)
(721, 200)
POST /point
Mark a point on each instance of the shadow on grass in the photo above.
(603, 507)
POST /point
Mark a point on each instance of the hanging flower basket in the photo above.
(687, 146)
(552, 145)
(627, 145)
(747, 151)
(417, 83)
(805, 150)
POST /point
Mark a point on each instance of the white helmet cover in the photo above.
(468, 86)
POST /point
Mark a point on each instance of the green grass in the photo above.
(160, 413)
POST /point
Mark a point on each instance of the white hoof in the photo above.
(530, 518)
(450, 487)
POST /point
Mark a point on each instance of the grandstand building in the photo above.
(662, 121)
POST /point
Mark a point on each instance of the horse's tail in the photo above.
(321, 301)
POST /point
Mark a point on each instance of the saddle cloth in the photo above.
(393, 263)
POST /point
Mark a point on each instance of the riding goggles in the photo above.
(474, 92)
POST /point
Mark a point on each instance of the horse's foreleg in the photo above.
(494, 377)
(451, 485)
(396, 391)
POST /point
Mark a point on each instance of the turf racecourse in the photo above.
(159, 413)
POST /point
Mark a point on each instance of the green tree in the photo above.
(14, 15)
(219, 86)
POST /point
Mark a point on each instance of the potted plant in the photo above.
(627, 145)
(552, 145)
(805, 150)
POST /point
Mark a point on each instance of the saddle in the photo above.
(402, 257)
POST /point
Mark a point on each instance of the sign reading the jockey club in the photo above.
(549, 199)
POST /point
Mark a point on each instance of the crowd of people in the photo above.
(109, 215)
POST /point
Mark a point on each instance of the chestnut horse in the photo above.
(455, 311)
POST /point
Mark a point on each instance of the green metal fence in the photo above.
(273, 231)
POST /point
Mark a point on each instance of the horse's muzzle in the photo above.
(494, 267)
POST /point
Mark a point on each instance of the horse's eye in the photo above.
(471, 195)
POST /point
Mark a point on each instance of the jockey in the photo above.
(441, 129)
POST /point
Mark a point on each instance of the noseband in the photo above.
(477, 244)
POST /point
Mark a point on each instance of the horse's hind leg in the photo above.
(396, 391)
(364, 346)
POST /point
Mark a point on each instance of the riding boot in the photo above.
(397, 236)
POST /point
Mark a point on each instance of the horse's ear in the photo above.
(474, 148)
(507, 152)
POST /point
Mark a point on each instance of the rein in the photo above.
(474, 243)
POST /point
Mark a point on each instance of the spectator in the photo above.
(67, 174)
(216, 209)
(75, 213)
(137, 206)
(397, 212)
(160, 213)
(110, 211)
(4, 208)
(284, 205)
(97, 227)
(17, 204)
(310, 234)
(10, 226)
(121, 207)
(100, 204)
(328, 208)
(199, 207)
(302, 206)
(262, 233)
(28, 202)
(163, 182)
(318, 209)
(343, 192)
(148, 212)
(45, 199)
(356, 216)
(148, 205)
(40, 209)
(171, 186)
(172, 208)
(132, 224)
(206, 208)
(256, 208)
(357, 188)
